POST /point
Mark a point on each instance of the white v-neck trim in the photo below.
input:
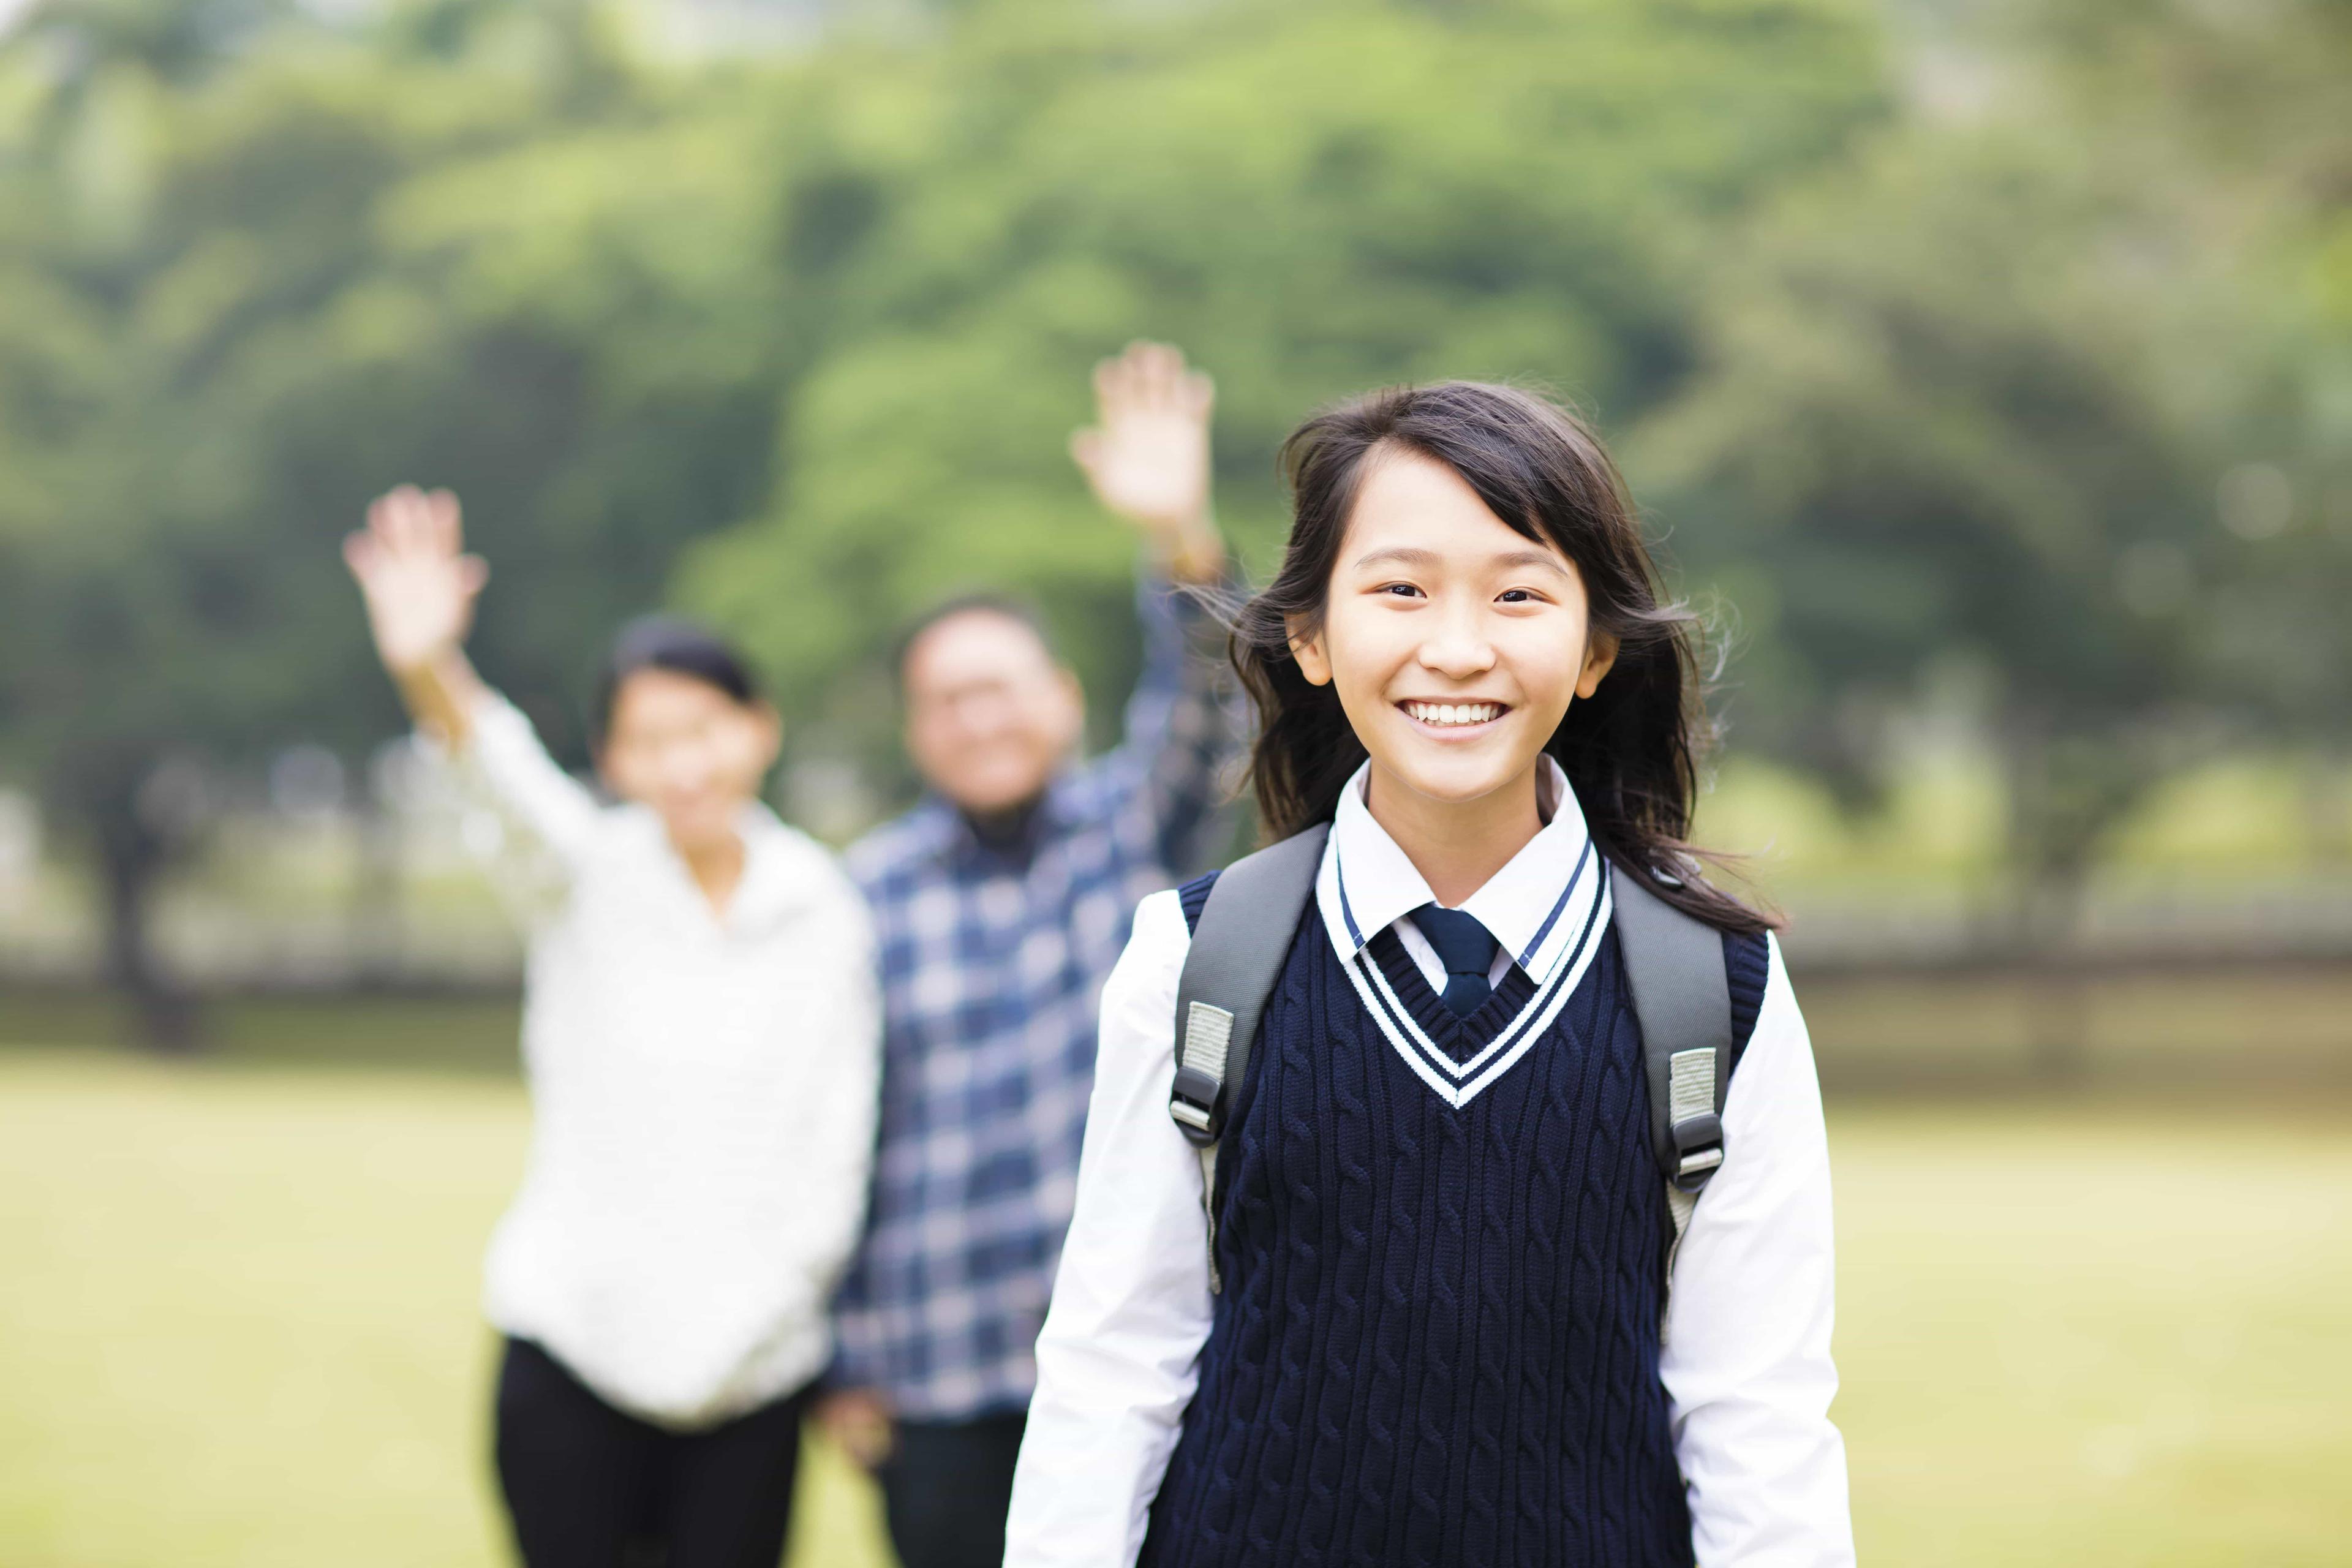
(1534, 906)
(1459, 1083)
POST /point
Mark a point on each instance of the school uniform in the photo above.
(703, 1090)
(1444, 1333)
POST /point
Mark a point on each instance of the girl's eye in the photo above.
(1516, 596)
(1402, 590)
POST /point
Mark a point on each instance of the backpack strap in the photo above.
(1239, 945)
(1675, 967)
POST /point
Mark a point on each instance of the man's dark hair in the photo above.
(985, 602)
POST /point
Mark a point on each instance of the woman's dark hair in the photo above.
(671, 644)
(1630, 750)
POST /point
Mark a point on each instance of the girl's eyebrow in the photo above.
(1400, 555)
(1407, 556)
(1532, 558)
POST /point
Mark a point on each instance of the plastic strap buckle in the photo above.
(1193, 1104)
(1698, 1150)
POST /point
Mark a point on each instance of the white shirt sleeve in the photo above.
(1120, 1355)
(1746, 1354)
(533, 822)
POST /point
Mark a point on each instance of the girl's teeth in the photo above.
(1453, 712)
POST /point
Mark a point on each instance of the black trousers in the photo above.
(946, 1487)
(590, 1487)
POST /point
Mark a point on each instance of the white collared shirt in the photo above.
(1533, 910)
(703, 1088)
(1746, 1362)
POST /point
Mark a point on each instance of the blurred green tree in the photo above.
(2017, 391)
(1927, 432)
(240, 292)
(2234, 114)
(1995, 335)
(1312, 201)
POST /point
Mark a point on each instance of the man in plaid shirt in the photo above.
(1000, 903)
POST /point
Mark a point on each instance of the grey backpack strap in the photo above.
(1239, 945)
(1682, 999)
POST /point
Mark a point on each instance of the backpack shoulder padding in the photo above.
(1241, 936)
(1697, 991)
(1682, 999)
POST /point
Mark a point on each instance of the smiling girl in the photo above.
(1443, 1320)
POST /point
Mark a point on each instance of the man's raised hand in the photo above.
(1147, 454)
(412, 571)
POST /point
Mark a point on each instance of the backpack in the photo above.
(1674, 968)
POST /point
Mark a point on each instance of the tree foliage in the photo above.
(1323, 200)
(1993, 336)
(2049, 384)
(244, 290)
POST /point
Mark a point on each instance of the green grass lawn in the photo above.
(238, 1327)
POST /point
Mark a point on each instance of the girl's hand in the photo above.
(419, 584)
(1147, 456)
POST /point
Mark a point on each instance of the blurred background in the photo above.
(1988, 366)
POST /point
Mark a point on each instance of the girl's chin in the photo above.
(1454, 778)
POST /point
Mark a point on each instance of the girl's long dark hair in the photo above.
(1630, 750)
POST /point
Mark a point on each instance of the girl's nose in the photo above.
(1457, 651)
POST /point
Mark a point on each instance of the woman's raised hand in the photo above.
(418, 582)
(1147, 454)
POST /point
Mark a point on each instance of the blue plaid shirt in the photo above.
(992, 964)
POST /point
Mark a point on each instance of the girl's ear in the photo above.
(1306, 647)
(1600, 654)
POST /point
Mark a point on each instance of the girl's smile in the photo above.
(1459, 720)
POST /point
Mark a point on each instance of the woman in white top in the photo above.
(701, 1036)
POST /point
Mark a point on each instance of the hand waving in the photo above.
(419, 585)
(1147, 456)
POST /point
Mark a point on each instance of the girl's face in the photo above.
(689, 751)
(1455, 643)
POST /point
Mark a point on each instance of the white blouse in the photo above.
(1745, 1359)
(704, 1091)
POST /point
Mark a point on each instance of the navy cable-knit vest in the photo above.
(1437, 1341)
